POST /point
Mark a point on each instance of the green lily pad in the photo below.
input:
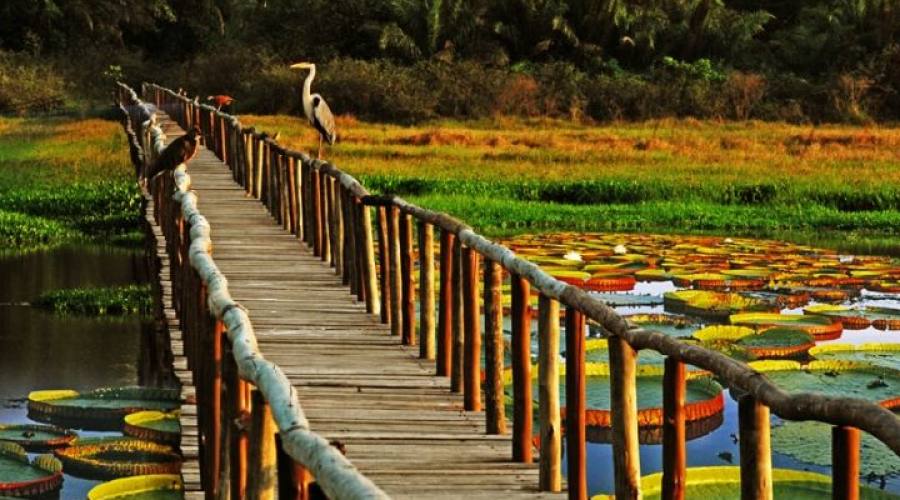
(810, 442)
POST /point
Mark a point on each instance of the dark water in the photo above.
(42, 350)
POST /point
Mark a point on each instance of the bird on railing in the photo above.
(181, 150)
(220, 101)
(316, 109)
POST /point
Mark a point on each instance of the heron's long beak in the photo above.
(301, 65)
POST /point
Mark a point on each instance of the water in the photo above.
(42, 350)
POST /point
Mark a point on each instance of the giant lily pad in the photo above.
(100, 409)
(21, 478)
(149, 487)
(36, 437)
(887, 355)
(810, 442)
(837, 378)
(820, 327)
(708, 483)
(108, 458)
(777, 343)
(627, 300)
(154, 426)
(713, 305)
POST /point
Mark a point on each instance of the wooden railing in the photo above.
(239, 393)
(332, 213)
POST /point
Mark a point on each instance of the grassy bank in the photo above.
(749, 178)
(62, 180)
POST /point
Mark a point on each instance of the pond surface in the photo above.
(43, 350)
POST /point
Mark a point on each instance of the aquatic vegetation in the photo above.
(810, 442)
(155, 486)
(128, 299)
(725, 482)
(821, 328)
(36, 438)
(100, 409)
(107, 458)
(20, 477)
(857, 379)
(21, 231)
(154, 426)
(882, 354)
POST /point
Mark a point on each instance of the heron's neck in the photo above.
(307, 86)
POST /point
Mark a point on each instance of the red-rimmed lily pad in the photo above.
(100, 409)
(157, 426)
(777, 343)
(36, 438)
(20, 477)
(836, 377)
(713, 305)
(724, 482)
(148, 487)
(670, 324)
(108, 458)
(881, 354)
(820, 327)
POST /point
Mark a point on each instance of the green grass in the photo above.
(63, 180)
(129, 299)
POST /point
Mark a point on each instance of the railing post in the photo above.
(845, 463)
(575, 405)
(369, 273)
(395, 270)
(337, 214)
(472, 321)
(623, 392)
(493, 348)
(262, 472)
(548, 389)
(293, 479)
(323, 217)
(352, 249)
(214, 439)
(521, 369)
(359, 253)
(445, 305)
(384, 264)
(426, 290)
(306, 183)
(458, 339)
(297, 179)
(318, 230)
(407, 281)
(239, 419)
(674, 452)
(756, 451)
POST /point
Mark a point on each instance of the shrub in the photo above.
(27, 86)
(743, 91)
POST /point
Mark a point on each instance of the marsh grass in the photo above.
(63, 179)
(129, 299)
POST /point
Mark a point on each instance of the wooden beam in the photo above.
(472, 321)
(445, 306)
(407, 281)
(623, 391)
(426, 290)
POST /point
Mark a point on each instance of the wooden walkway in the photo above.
(400, 425)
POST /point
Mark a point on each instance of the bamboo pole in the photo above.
(426, 290)
(395, 270)
(575, 405)
(548, 389)
(493, 348)
(407, 281)
(756, 451)
(521, 369)
(623, 392)
(457, 337)
(674, 437)
(445, 317)
(845, 463)
(472, 333)
(262, 474)
(384, 264)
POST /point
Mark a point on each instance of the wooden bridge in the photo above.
(338, 377)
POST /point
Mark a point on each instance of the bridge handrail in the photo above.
(333, 472)
(306, 204)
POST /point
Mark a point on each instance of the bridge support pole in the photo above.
(623, 391)
(845, 462)
(756, 452)
(262, 473)
(548, 382)
(426, 290)
(674, 452)
(521, 370)
(445, 316)
(493, 348)
(575, 405)
(472, 320)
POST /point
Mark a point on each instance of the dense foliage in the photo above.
(413, 59)
(128, 299)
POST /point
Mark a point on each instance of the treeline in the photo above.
(408, 60)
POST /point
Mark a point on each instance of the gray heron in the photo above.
(316, 109)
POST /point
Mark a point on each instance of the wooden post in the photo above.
(215, 435)
(493, 348)
(298, 197)
(351, 250)
(293, 479)
(306, 181)
(674, 438)
(457, 337)
(407, 281)
(521, 368)
(325, 254)
(384, 264)
(426, 290)
(472, 321)
(756, 452)
(359, 257)
(369, 272)
(844, 463)
(395, 270)
(445, 316)
(548, 389)
(623, 392)
(337, 210)
(262, 473)
(239, 419)
(318, 230)
(575, 405)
